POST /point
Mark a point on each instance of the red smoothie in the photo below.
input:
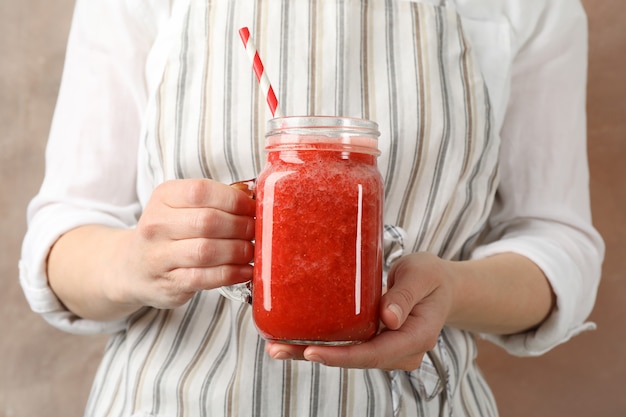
(318, 250)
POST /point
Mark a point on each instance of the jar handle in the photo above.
(241, 292)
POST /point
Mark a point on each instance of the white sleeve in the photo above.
(542, 208)
(91, 156)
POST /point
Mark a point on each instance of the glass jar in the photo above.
(319, 225)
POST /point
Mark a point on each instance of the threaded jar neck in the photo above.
(339, 133)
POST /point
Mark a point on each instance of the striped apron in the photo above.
(407, 66)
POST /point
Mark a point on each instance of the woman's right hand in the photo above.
(193, 235)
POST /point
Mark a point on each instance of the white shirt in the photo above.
(531, 53)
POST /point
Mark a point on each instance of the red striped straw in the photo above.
(259, 70)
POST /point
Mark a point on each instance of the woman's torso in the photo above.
(409, 67)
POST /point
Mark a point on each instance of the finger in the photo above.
(408, 287)
(205, 193)
(211, 223)
(191, 280)
(283, 351)
(183, 223)
(386, 351)
(182, 284)
(204, 253)
(390, 350)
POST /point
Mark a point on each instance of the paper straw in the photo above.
(261, 75)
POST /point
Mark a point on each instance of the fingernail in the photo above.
(282, 355)
(396, 310)
(314, 358)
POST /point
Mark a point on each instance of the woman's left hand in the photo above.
(413, 312)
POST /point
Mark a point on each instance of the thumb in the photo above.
(411, 280)
(401, 297)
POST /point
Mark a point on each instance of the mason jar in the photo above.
(318, 237)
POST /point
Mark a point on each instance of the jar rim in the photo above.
(346, 125)
(349, 133)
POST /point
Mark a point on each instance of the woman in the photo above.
(488, 229)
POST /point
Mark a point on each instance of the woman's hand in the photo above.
(502, 294)
(193, 235)
(413, 312)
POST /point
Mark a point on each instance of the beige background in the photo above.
(44, 372)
